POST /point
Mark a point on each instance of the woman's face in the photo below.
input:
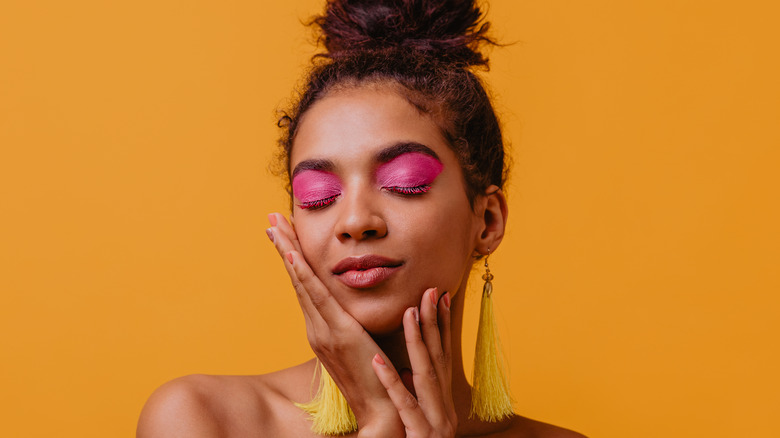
(380, 205)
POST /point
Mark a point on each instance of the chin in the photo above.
(377, 318)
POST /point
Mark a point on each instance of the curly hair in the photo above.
(427, 50)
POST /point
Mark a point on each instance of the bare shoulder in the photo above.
(208, 406)
(528, 428)
(199, 406)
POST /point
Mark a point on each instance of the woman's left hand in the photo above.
(431, 411)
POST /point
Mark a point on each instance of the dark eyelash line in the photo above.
(319, 203)
(416, 190)
(324, 202)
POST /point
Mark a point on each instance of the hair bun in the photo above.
(451, 30)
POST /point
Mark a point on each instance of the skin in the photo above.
(410, 321)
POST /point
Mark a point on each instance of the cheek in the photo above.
(441, 235)
(313, 237)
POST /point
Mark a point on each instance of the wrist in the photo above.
(393, 429)
(379, 420)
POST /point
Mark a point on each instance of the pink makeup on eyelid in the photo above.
(409, 170)
(315, 185)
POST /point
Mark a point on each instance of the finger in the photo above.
(285, 240)
(285, 237)
(426, 382)
(446, 334)
(446, 342)
(323, 302)
(282, 246)
(315, 295)
(407, 406)
(436, 335)
(279, 221)
(315, 290)
(429, 322)
(318, 323)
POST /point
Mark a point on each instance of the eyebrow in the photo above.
(314, 164)
(383, 156)
(399, 149)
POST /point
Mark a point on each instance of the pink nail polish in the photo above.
(272, 219)
(378, 359)
(290, 257)
(270, 234)
(434, 298)
(416, 314)
(447, 300)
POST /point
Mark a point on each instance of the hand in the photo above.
(339, 341)
(427, 332)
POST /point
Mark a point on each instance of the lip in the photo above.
(365, 271)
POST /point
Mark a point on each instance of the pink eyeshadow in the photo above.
(314, 185)
(409, 170)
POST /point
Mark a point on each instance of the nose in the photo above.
(361, 217)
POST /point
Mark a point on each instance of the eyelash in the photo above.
(324, 202)
(319, 203)
(412, 191)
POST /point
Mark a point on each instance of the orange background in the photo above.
(637, 288)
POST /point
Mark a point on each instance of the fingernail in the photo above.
(272, 219)
(290, 257)
(416, 314)
(270, 234)
(378, 359)
(447, 300)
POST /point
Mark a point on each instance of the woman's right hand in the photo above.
(339, 341)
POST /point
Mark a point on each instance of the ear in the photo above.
(493, 213)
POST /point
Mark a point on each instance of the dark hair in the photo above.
(426, 49)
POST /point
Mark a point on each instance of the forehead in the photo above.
(350, 126)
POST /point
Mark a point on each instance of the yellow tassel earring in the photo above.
(329, 411)
(490, 399)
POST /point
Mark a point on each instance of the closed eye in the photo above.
(319, 203)
(416, 190)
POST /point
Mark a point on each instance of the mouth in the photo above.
(365, 271)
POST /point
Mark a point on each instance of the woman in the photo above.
(396, 164)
